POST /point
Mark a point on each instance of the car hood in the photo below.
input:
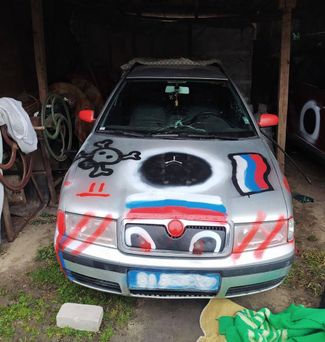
(118, 175)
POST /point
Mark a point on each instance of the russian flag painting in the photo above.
(204, 209)
(250, 173)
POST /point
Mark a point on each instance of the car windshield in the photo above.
(196, 108)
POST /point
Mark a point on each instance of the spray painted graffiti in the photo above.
(64, 240)
(173, 236)
(177, 209)
(286, 184)
(102, 157)
(250, 173)
(92, 193)
(257, 226)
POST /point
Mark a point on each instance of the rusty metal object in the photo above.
(90, 90)
(30, 103)
(27, 161)
(78, 100)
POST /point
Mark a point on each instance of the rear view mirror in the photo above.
(268, 120)
(87, 115)
(170, 89)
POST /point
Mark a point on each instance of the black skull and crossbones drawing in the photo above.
(100, 159)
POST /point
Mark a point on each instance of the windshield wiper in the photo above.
(123, 132)
(211, 136)
(172, 133)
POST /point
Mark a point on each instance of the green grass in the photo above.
(308, 272)
(31, 315)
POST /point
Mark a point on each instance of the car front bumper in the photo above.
(106, 269)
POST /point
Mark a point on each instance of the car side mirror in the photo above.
(268, 120)
(87, 115)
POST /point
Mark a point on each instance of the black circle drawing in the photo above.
(175, 169)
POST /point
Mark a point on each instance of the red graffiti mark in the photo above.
(198, 247)
(66, 183)
(145, 246)
(61, 222)
(91, 191)
(286, 184)
(61, 230)
(97, 233)
(247, 239)
(279, 224)
(75, 231)
(261, 169)
(101, 187)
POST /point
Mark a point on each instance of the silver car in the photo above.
(175, 193)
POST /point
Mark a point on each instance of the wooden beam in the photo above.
(286, 6)
(39, 48)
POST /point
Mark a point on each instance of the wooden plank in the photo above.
(39, 48)
(286, 6)
(10, 233)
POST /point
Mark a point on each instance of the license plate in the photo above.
(177, 281)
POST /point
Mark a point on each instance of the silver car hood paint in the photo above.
(126, 180)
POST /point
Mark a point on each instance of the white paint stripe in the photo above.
(177, 196)
(140, 231)
(240, 173)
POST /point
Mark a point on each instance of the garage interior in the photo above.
(272, 49)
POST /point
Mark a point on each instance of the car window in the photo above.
(178, 106)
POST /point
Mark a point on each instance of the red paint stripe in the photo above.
(146, 246)
(101, 187)
(247, 239)
(260, 171)
(260, 250)
(57, 244)
(98, 232)
(60, 219)
(176, 213)
(89, 194)
(286, 184)
(75, 231)
(92, 187)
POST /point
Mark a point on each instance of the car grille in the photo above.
(172, 294)
(94, 282)
(187, 245)
(245, 289)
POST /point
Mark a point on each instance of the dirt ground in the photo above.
(179, 320)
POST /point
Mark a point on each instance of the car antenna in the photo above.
(287, 155)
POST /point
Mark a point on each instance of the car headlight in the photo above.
(291, 229)
(261, 235)
(91, 229)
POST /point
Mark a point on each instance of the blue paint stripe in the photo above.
(67, 273)
(250, 173)
(176, 203)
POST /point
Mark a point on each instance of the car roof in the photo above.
(177, 71)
